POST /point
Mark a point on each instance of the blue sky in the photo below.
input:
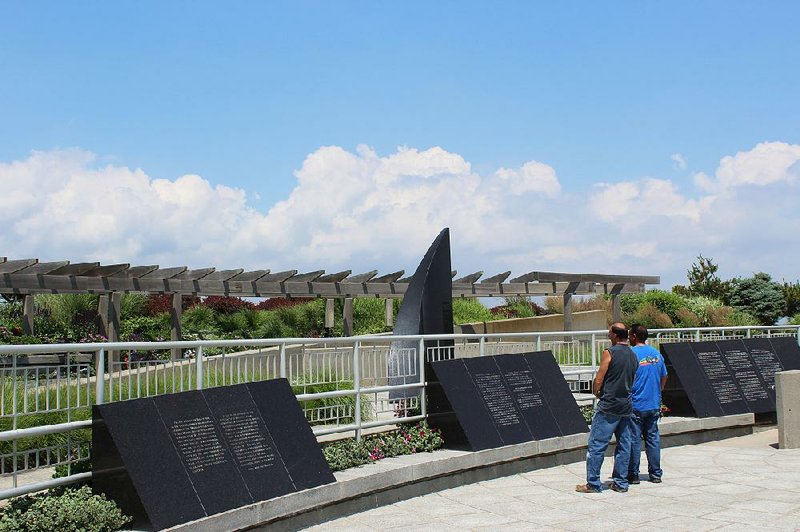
(241, 94)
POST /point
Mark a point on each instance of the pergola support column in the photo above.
(175, 319)
(389, 312)
(28, 310)
(108, 307)
(329, 313)
(347, 317)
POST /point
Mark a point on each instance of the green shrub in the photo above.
(409, 439)
(687, 318)
(145, 328)
(759, 296)
(795, 320)
(71, 510)
(369, 316)
(198, 320)
(665, 302)
(651, 317)
(133, 305)
(470, 310)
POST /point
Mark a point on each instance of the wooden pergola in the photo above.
(28, 277)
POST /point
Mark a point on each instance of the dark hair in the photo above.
(620, 332)
(640, 331)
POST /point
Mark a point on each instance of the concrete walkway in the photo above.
(735, 484)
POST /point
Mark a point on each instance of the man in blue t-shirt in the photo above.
(651, 375)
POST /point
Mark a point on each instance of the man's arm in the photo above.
(663, 382)
(605, 361)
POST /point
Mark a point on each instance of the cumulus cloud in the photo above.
(362, 210)
(678, 161)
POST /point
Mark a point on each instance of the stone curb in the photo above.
(393, 480)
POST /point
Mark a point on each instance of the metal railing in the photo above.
(342, 384)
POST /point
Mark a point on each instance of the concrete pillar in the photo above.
(28, 311)
(347, 315)
(175, 319)
(787, 393)
(108, 307)
(329, 313)
(616, 310)
(389, 312)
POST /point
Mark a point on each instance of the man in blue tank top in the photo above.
(612, 386)
(646, 395)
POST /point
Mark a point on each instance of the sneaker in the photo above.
(586, 488)
(615, 487)
(655, 480)
(633, 480)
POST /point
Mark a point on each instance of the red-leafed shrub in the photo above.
(160, 303)
(226, 304)
(275, 303)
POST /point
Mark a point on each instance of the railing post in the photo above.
(357, 386)
(423, 403)
(594, 350)
(697, 335)
(283, 360)
(797, 333)
(198, 362)
(749, 333)
(482, 348)
(100, 377)
(539, 342)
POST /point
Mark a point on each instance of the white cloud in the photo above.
(678, 161)
(360, 210)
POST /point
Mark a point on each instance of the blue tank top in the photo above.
(615, 395)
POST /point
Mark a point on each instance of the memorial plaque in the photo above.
(720, 378)
(494, 391)
(739, 374)
(179, 457)
(528, 396)
(474, 420)
(747, 377)
(293, 437)
(766, 362)
(684, 362)
(507, 399)
(788, 351)
(556, 392)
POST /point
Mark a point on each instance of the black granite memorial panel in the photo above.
(497, 397)
(788, 351)
(152, 466)
(291, 433)
(474, 419)
(507, 399)
(686, 366)
(746, 376)
(720, 378)
(183, 456)
(766, 363)
(528, 396)
(250, 443)
(556, 392)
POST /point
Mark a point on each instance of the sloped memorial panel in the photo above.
(175, 458)
(730, 376)
(505, 399)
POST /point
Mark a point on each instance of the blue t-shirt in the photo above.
(646, 391)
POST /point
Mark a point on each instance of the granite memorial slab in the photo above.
(174, 458)
(730, 376)
(506, 399)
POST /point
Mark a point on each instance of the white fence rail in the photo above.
(342, 384)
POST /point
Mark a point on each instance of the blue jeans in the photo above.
(603, 426)
(645, 424)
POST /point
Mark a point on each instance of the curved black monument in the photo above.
(427, 309)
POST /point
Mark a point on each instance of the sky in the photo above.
(619, 137)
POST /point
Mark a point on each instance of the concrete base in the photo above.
(405, 477)
(787, 392)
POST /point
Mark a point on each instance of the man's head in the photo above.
(638, 334)
(617, 333)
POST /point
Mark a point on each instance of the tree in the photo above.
(791, 293)
(703, 280)
(759, 296)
